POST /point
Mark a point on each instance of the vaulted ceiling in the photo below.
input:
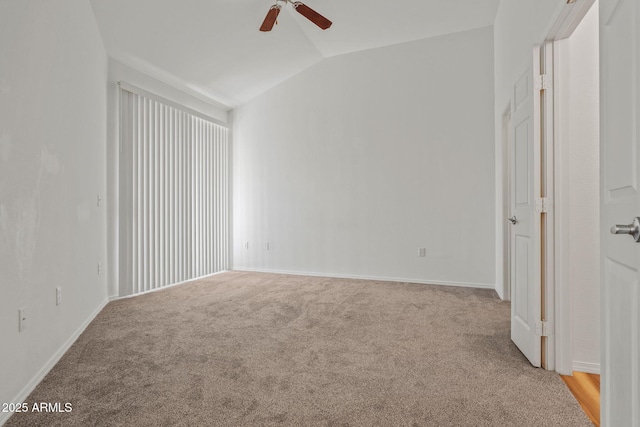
(214, 48)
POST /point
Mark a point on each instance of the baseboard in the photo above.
(26, 391)
(116, 298)
(384, 279)
(587, 367)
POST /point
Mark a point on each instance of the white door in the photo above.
(620, 204)
(525, 235)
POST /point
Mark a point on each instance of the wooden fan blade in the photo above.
(270, 19)
(312, 15)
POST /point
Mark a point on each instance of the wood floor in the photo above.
(586, 389)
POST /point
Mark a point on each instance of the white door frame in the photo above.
(548, 218)
(557, 290)
(562, 286)
(504, 291)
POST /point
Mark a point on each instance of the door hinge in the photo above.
(544, 329)
(543, 82)
(543, 205)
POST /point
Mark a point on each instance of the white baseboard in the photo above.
(26, 391)
(116, 298)
(384, 279)
(588, 367)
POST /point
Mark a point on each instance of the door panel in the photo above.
(525, 235)
(621, 166)
(623, 281)
(522, 146)
(620, 203)
(522, 281)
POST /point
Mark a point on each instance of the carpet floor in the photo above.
(245, 349)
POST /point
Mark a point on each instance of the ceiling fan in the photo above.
(301, 8)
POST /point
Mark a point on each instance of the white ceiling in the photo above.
(214, 48)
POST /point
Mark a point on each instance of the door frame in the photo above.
(504, 291)
(556, 289)
(548, 191)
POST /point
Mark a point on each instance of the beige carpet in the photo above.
(243, 349)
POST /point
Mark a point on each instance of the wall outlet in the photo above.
(58, 295)
(422, 252)
(266, 246)
(22, 319)
(246, 245)
(99, 269)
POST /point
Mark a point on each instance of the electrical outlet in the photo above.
(246, 245)
(99, 269)
(58, 295)
(266, 246)
(422, 252)
(22, 319)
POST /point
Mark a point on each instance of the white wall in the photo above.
(351, 166)
(579, 162)
(53, 75)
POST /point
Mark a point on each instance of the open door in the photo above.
(525, 218)
(620, 204)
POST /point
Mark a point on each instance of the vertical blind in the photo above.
(174, 195)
